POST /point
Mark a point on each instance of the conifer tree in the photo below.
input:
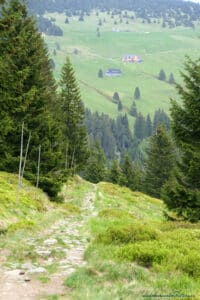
(140, 126)
(160, 161)
(148, 126)
(128, 172)
(162, 75)
(73, 119)
(137, 95)
(182, 192)
(27, 95)
(115, 174)
(100, 73)
(120, 106)
(133, 109)
(171, 79)
(116, 97)
(95, 170)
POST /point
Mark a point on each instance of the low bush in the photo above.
(123, 234)
(25, 224)
(144, 253)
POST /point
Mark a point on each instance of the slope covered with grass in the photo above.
(19, 212)
(159, 48)
(135, 252)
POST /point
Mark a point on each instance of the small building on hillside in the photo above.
(131, 58)
(113, 72)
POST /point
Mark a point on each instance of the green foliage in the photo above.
(131, 233)
(162, 75)
(115, 174)
(133, 109)
(160, 161)
(95, 169)
(73, 120)
(137, 95)
(116, 97)
(160, 117)
(171, 79)
(140, 126)
(128, 172)
(183, 201)
(148, 127)
(120, 106)
(146, 253)
(19, 215)
(26, 224)
(30, 98)
(100, 73)
(182, 192)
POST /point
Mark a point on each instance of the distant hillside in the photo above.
(153, 8)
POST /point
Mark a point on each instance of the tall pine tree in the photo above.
(182, 192)
(27, 95)
(160, 161)
(73, 119)
(95, 170)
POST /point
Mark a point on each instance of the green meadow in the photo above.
(135, 252)
(159, 49)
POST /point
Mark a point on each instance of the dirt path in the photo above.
(59, 253)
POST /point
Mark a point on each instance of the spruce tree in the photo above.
(160, 161)
(27, 95)
(182, 192)
(162, 75)
(95, 170)
(140, 126)
(137, 95)
(120, 106)
(116, 97)
(115, 174)
(73, 119)
(171, 79)
(148, 126)
(100, 73)
(128, 172)
(133, 109)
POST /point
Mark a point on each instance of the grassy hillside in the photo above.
(159, 48)
(132, 251)
(30, 209)
(135, 253)
(21, 212)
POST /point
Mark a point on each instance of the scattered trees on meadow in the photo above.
(133, 110)
(137, 95)
(171, 79)
(116, 97)
(100, 73)
(162, 75)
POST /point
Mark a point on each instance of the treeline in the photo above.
(172, 12)
(117, 138)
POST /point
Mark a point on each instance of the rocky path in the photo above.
(59, 252)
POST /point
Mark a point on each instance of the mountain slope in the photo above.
(131, 250)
